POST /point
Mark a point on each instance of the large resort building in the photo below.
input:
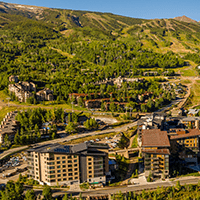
(158, 146)
(66, 165)
(155, 148)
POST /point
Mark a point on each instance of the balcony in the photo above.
(156, 162)
(155, 158)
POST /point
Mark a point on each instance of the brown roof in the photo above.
(189, 133)
(156, 151)
(155, 138)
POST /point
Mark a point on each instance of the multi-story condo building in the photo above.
(155, 149)
(58, 164)
(186, 144)
(190, 122)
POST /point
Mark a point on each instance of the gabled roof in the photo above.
(155, 138)
(156, 151)
(189, 133)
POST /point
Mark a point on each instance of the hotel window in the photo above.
(75, 169)
(70, 170)
(90, 172)
(63, 161)
(89, 167)
(89, 159)
(75, 160)
(64, 174)
(70, 174)
(58, 158)
(70, 179)
(75, 165)
(63, 157)
(69, 166)
(59, 179)
(58, 166)
(64, 170)
(59, 175)
(89, 163)
(75, 173)
(58, 162)
(69, 157)
(58, 171)
(69, 161)
(64, 179)
(64, 166)
(75, 156)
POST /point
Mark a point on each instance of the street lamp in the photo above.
(8, 98)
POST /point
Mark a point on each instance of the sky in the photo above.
(146, 9)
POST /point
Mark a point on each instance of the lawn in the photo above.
(135, 143)
(195, 95)
(188, 72)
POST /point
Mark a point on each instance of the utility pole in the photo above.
(72, 106)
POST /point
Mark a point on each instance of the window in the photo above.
(75, 156)
(89, 163)
(75, 169)
(75, 165)
(70, 178)
(51, 176)
(89, 167)
(76, 177)
(58, 158)
(58, 162)
(64, 170)
(69, 166)
(75, 173)
(59, 179)
(90, 176)
(64, 174)
(58, 166)
(89, 159)
(69, 157)
(70, 170)
(63, 161)
(58, 171)
(70, 174)
(64, 179)
(75, 160)
(64, 166)
(90, 172)
(69, 161)
(53, 180)
(63, 157)
(59, 175)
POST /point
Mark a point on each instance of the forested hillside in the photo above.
(65, 49)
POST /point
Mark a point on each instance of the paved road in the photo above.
(68, 138)
(123, 189)
(5, 153)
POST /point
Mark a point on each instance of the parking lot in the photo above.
(12, 168)
(111, 141)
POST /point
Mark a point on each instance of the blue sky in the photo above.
(148, 9)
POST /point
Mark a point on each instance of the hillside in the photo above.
(67, 51)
